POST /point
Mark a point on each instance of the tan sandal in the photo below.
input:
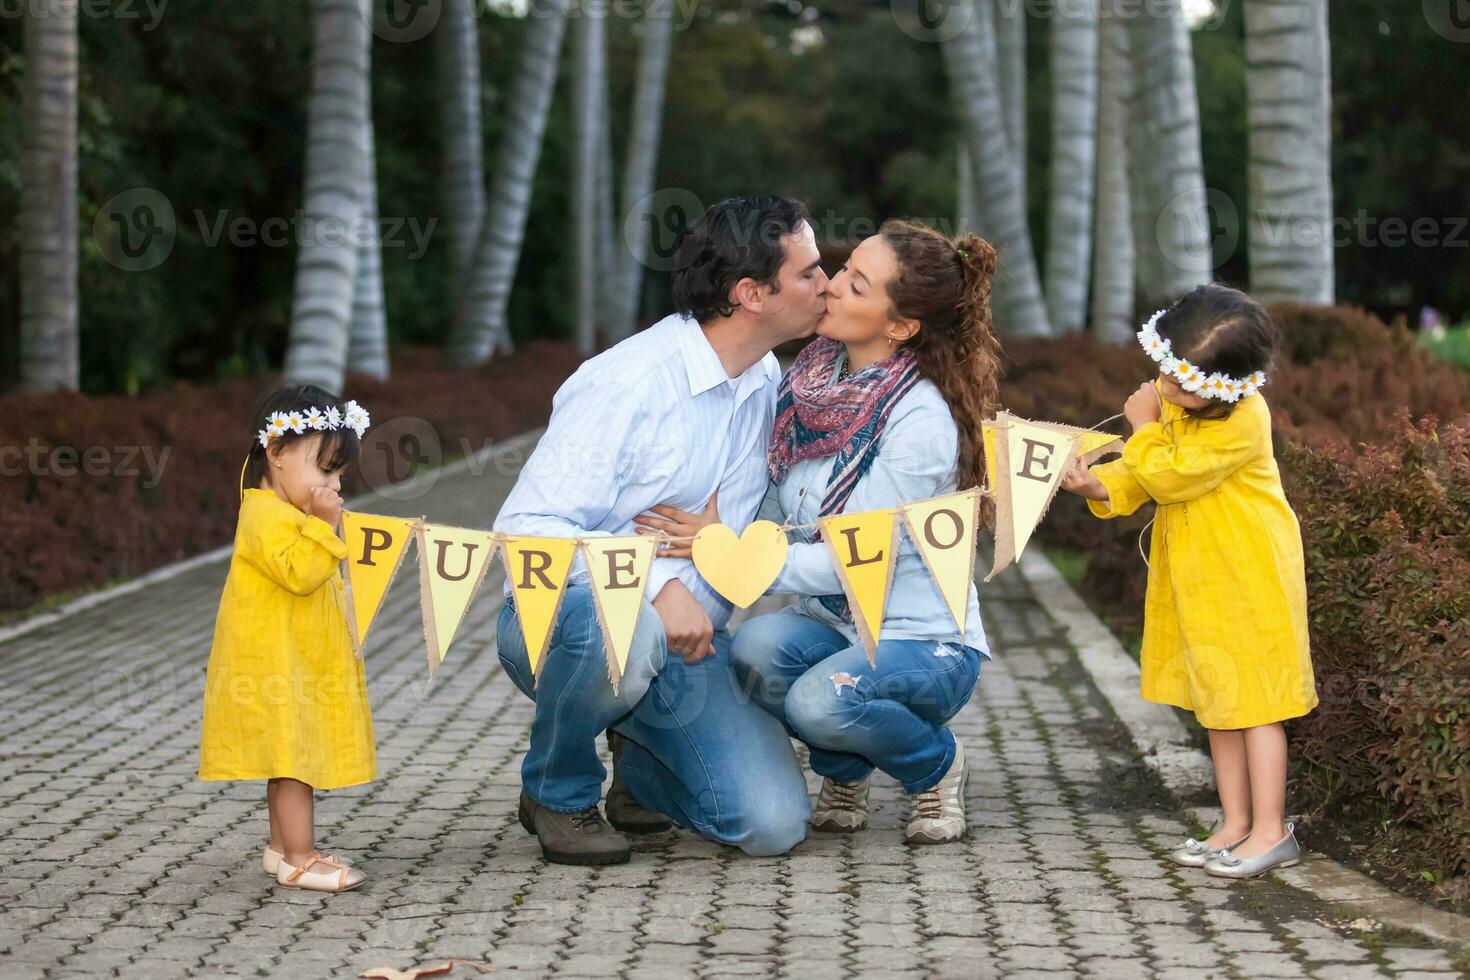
(270, 860)
(341, 879)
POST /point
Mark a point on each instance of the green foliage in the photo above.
(1453, 345)
(831, 103)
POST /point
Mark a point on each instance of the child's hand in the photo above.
(1079, 479)
(1142, 406)
(326, 504)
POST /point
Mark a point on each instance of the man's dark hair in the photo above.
(737, 238)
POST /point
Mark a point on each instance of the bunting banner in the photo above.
(618, 569)
(452, 563)
(538, 570)
(375, 548)
(865, 549)
(1025, 461)
(943, 531)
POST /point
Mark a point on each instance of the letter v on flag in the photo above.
(863, 547)
(452, 563)
(537, 569)
(375, 547)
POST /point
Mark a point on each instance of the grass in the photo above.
(1452, 345)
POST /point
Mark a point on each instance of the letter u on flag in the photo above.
(375, 548)
(618, 568)
(863, 548)
(452, 563)
(537, 569)
(943, 531)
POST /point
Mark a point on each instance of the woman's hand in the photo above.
(680, 525)
(1079, 479)
(1142, 406)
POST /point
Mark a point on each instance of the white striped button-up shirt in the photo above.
(653, 420)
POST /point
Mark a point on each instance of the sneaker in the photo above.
(842, 808)
(938, 814)
(573, 838)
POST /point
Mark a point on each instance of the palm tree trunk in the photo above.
(480, 327)
(1289, 90)
(326, 265)
(965, 218)
(970, 60)
(367, 346)
(641, 163)
(48, 199)
(607, 250)
(1164, 143)
(1113, 315)
(1073, 157)
(462, 179)
(1010, 34)
(589, 35)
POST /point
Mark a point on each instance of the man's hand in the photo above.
(1142, 406)
(687, 626)
(326, 503)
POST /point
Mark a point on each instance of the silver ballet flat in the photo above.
(1283, 854)
(1195, 853)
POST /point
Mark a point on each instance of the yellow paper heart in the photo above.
(740, 569)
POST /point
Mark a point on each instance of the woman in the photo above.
(884, 407)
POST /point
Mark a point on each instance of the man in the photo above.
(678, 414)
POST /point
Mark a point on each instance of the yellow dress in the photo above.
(1225, 620)
(285, 694)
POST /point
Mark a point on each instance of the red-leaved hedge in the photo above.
(99, 488)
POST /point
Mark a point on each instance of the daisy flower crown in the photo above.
(277, 424)
(1218, 386)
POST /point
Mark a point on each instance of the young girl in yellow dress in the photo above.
(1225, 618)
(286, 696)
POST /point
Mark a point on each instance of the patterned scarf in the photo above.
(845, 419)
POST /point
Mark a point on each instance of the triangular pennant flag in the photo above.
(1095, 444)
(618, 568)
(537, 569)
(943, 531)
(864, 548)
(1030, 460)
(452, 563)
(375, 548)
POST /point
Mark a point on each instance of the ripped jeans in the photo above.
(853, 716)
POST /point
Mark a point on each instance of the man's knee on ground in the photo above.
(778, 824)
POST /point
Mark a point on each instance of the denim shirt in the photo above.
(916, 460)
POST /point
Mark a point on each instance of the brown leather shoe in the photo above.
(623, 811)
(573, 838)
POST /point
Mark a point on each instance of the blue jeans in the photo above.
(711, 761)
(853, 716)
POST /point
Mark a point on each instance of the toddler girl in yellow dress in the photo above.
(1225, 618)
(286, 696)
